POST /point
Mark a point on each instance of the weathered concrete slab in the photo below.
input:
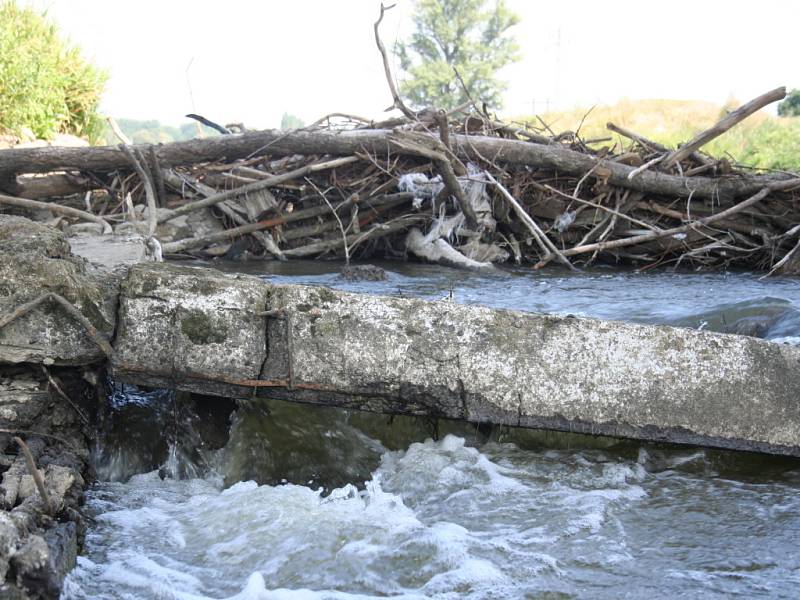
(109, 251)
(184, 323)
(35, 259)
(198, 330)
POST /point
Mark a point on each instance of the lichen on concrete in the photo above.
(412, 356)
(172, 317)
(536, 370)
(201, 328)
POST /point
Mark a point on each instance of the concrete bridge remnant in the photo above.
(231, 335)
(237, 336)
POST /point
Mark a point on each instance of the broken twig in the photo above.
(90, 329)
(55, 208)
(36, 474)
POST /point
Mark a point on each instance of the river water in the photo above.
(309, 502)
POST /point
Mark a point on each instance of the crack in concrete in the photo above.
(262, 369)
(462, 391)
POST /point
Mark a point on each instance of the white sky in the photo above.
(252, 61)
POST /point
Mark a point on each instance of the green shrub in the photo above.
(791, 106)
(45, 84)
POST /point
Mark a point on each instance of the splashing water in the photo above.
(445, 520)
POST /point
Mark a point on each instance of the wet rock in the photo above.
(9, 592)
(755, 326)
(21, 401)
(17, 483)
(27, 405)
(34, 563)
(210, 418)
(110, 251)
(8, 542)
(63, 485)
(37, 548)
(26, 486)
(62, 544)
(363, 273)
(35, 259)
(30, 564)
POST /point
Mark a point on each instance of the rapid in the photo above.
(204, 498)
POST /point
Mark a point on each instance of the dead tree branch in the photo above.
(724, 125)
(397, 102)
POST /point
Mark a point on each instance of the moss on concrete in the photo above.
(201, 328)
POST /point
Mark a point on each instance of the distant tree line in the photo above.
(151, 131)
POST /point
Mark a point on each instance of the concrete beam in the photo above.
(199, 330)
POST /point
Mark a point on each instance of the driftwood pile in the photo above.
(460, 188)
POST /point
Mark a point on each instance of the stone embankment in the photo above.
(48, 386)
(64, 320)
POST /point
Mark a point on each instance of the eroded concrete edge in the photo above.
(410, 356)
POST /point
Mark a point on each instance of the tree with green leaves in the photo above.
(290, 121)
(470, 36)
(790, 107)
(45, 84)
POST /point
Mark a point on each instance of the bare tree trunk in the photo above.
(346, 143)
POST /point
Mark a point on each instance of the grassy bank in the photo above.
(46, 85)
(762, 140)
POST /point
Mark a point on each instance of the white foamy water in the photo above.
(443, 520)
